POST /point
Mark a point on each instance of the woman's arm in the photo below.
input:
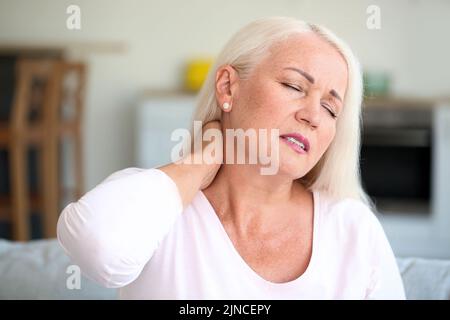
(113, 230)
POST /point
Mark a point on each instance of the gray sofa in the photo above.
(39, 270)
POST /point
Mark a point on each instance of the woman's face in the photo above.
(297, 88)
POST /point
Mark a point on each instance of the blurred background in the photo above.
(91, 87)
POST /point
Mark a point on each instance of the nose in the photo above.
(309, 111)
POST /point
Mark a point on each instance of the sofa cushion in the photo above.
(37, 270)
(425, 278)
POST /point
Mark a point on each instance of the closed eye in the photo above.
(300, 89)
(290, 86)
(330, 110)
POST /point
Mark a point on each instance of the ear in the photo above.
(227, 83)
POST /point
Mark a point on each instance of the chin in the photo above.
(293, 169)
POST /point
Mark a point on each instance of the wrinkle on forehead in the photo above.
(311, 53)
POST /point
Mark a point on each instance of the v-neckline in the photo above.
(212, 215)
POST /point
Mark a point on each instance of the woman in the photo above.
(212, 231)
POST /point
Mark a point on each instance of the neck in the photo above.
(242, 196)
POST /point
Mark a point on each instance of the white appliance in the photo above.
(156, 118)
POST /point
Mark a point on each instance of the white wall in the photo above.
(161, 35)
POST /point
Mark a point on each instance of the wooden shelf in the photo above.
(30, 47)
(163, 93)
(404, 102)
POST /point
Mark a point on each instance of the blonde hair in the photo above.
(337, 173)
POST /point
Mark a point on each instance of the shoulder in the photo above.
(348, 209)
(351, 216)
(350, 227)
(138, 174)
(123, 173)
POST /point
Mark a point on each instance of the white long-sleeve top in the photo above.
(131, 231)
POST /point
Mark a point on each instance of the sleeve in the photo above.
(385, 281)
(114, 229)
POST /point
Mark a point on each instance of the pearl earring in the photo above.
(226, 106)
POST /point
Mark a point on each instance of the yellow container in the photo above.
(196, 72)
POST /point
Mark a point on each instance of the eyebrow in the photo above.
(310, 78)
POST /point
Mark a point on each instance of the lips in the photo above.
(298, 142)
